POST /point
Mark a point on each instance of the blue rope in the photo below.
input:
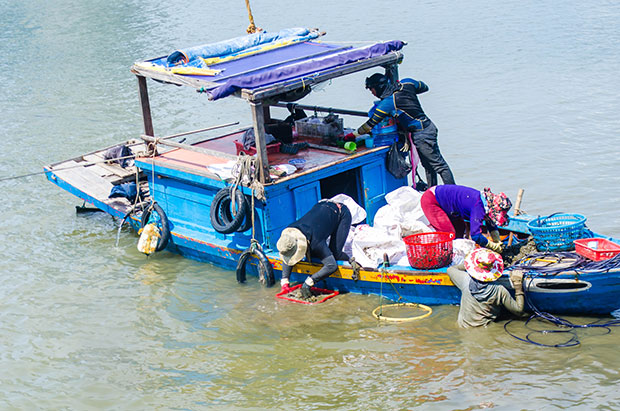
(558, 321)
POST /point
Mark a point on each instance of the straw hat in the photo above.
(292, 246)
(484, 265)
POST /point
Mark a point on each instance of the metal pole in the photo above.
(188, 147)
(293, 106)
(200, 130)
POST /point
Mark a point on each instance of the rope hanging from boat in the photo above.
(580, 265)
(252, 27)
(137, 202)
(564, 326)
(246, 174)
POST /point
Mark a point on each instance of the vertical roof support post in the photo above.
(391, 72)
(259, 135)
(266, 114)
(146, 107)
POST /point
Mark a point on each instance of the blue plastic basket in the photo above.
(385, 133)
(557, 231)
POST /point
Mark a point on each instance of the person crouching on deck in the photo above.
(445, 207)
(309, 234)
(482, 301)
(399, 99)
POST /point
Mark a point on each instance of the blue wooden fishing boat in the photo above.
(188, 189)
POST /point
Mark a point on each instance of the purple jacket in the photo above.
(464, 202)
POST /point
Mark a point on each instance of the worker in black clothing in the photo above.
(399, 99)
(309, 234)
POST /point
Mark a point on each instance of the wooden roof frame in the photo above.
(256, 97)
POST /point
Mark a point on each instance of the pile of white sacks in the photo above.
(402, 216)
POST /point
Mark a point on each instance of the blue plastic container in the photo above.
(385, 133)
(557, 231)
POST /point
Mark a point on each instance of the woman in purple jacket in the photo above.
(448, 206)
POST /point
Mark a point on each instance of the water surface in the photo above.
(525, 95)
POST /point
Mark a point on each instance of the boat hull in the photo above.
(592, 293)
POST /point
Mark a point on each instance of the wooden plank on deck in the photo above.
(85, 179)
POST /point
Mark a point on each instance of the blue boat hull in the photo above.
(593, 293)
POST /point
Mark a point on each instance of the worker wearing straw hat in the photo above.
(308, 235)
(482, 300)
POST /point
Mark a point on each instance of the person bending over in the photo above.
(309, 235)
(446, 208)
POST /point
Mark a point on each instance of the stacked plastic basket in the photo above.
(557, 232)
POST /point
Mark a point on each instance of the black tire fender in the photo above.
(265, 269)
(247, 222)
(221, 215)
(165, 225)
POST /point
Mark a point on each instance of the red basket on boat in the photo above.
(596, 249)
(271, 148)
(429, 250)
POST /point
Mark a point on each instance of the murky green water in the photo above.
(525, 95)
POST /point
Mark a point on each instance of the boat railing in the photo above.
(200, 130)
(165, 141)
(160, 140)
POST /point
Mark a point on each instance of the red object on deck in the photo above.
(596, 249)
(328, 294)
(429, 250)
(271, 148)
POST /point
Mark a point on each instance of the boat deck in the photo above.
(316, 155)
(92, 177)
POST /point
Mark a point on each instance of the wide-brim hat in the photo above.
(292, 246)
(484, 265)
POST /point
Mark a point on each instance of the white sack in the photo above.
(405, 199)
(461, 247)
(370, 243)
(387, 218)
(358, 214)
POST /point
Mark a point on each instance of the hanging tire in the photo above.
(247, 222)
(222, 219)
(165, 225)
(265, 269)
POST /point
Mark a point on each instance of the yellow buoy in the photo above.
(149, 238)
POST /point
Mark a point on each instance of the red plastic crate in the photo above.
(429, 250)
(271, 148)
(596, 249)
(327, 294)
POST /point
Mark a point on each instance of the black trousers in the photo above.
(328, 254)
(425, 142)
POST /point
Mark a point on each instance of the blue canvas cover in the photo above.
(237, 45)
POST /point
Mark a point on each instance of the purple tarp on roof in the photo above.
(273, 59)
(300, 69)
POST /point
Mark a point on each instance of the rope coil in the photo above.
(378, 312)
(379, 316)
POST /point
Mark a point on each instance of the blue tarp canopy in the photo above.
(292, 57)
